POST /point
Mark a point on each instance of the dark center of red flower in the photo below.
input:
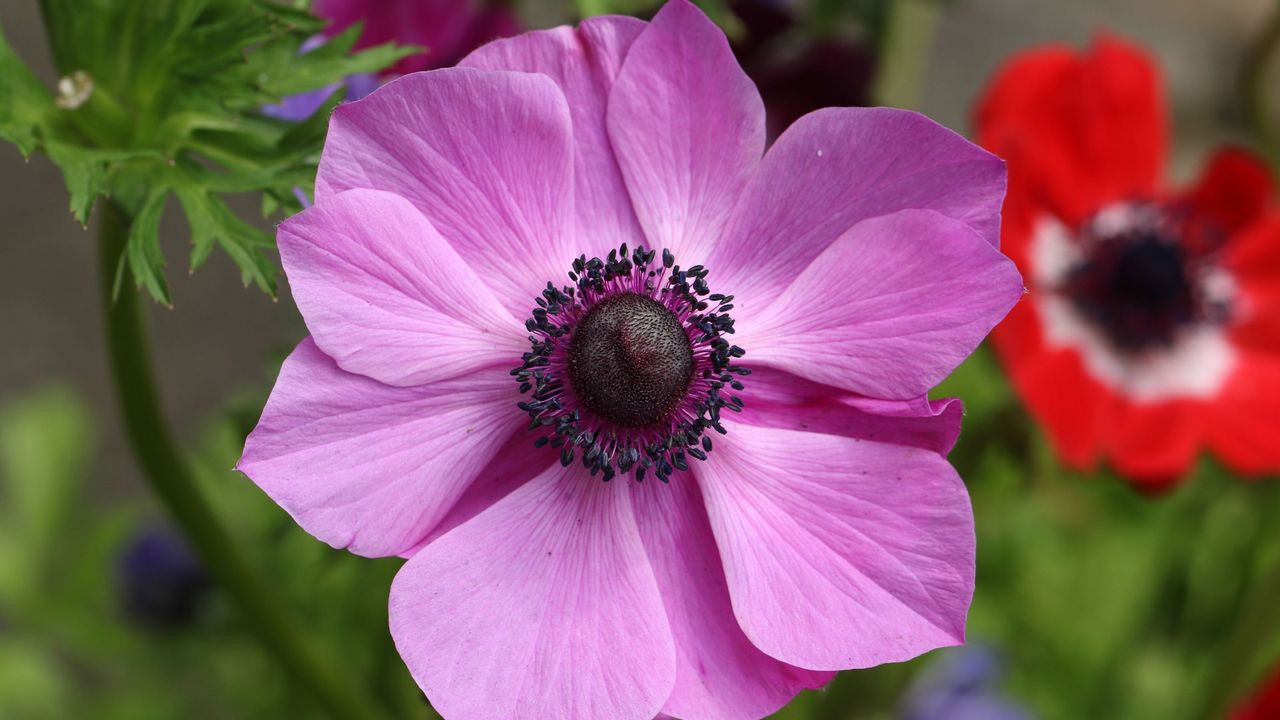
(1138, 284)
(630, 360)
(629, 366)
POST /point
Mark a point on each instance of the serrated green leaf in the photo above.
(142, 249)
(204, 233)
(270, 205)
(84, 174)
(177, 89)
(213, 223)
(296, 18)
(303, 137)
(269, 152)
(87, 173)
(325, 64)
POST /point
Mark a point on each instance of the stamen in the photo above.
(628, 367)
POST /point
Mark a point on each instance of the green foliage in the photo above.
(67, 649)
(1105, 602)
(25, 105)
(45, 444)
(162, 98)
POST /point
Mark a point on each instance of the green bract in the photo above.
(161, 98)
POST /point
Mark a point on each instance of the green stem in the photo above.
(1258, 63)
(904, 52)
(1254, 633)
(168, 474)
(1167, 557)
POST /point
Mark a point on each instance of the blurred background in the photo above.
(1093, 600)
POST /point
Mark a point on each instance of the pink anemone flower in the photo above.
(621, 492)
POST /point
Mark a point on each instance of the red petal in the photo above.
(1071, 405)
(1234, 189)
(1081, 129)
(1242, 424)
(1154, 444)
(1253, 259)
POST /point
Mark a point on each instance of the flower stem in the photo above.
(1258, 62)
(170, 478)
(904, 52)
(1165, 561)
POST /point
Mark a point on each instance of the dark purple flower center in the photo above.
(1140, 282)
(630, 360)
(629, 366)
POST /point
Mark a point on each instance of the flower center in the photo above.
(630, 360)
(629, 366)
(1141, 280)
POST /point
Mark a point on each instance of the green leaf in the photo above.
(294, 17)
(84, 174)
(45, 444)
(31, 684)
(142, 249)
(213, 223)
(177, 91)
(24, 102)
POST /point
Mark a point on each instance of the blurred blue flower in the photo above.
(962, 684)
(300, 107)
(161, 581)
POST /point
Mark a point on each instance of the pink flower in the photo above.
(447, 29)
(818, 525)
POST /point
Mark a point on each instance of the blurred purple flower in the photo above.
(446, 29)
(161, 581)
(962, 684)
(300, 107)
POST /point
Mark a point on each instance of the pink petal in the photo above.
(515, 464)
(542, 606)
(385, 296)
(840, 553)
(371, 467)
(837, 167)
(688, 128)
(720, 675)
(584, 61)
(485, 156)
(775, 398)
(889, 309)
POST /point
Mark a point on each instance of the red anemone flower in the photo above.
(1151, 330)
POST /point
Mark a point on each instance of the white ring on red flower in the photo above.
(1195, 366)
